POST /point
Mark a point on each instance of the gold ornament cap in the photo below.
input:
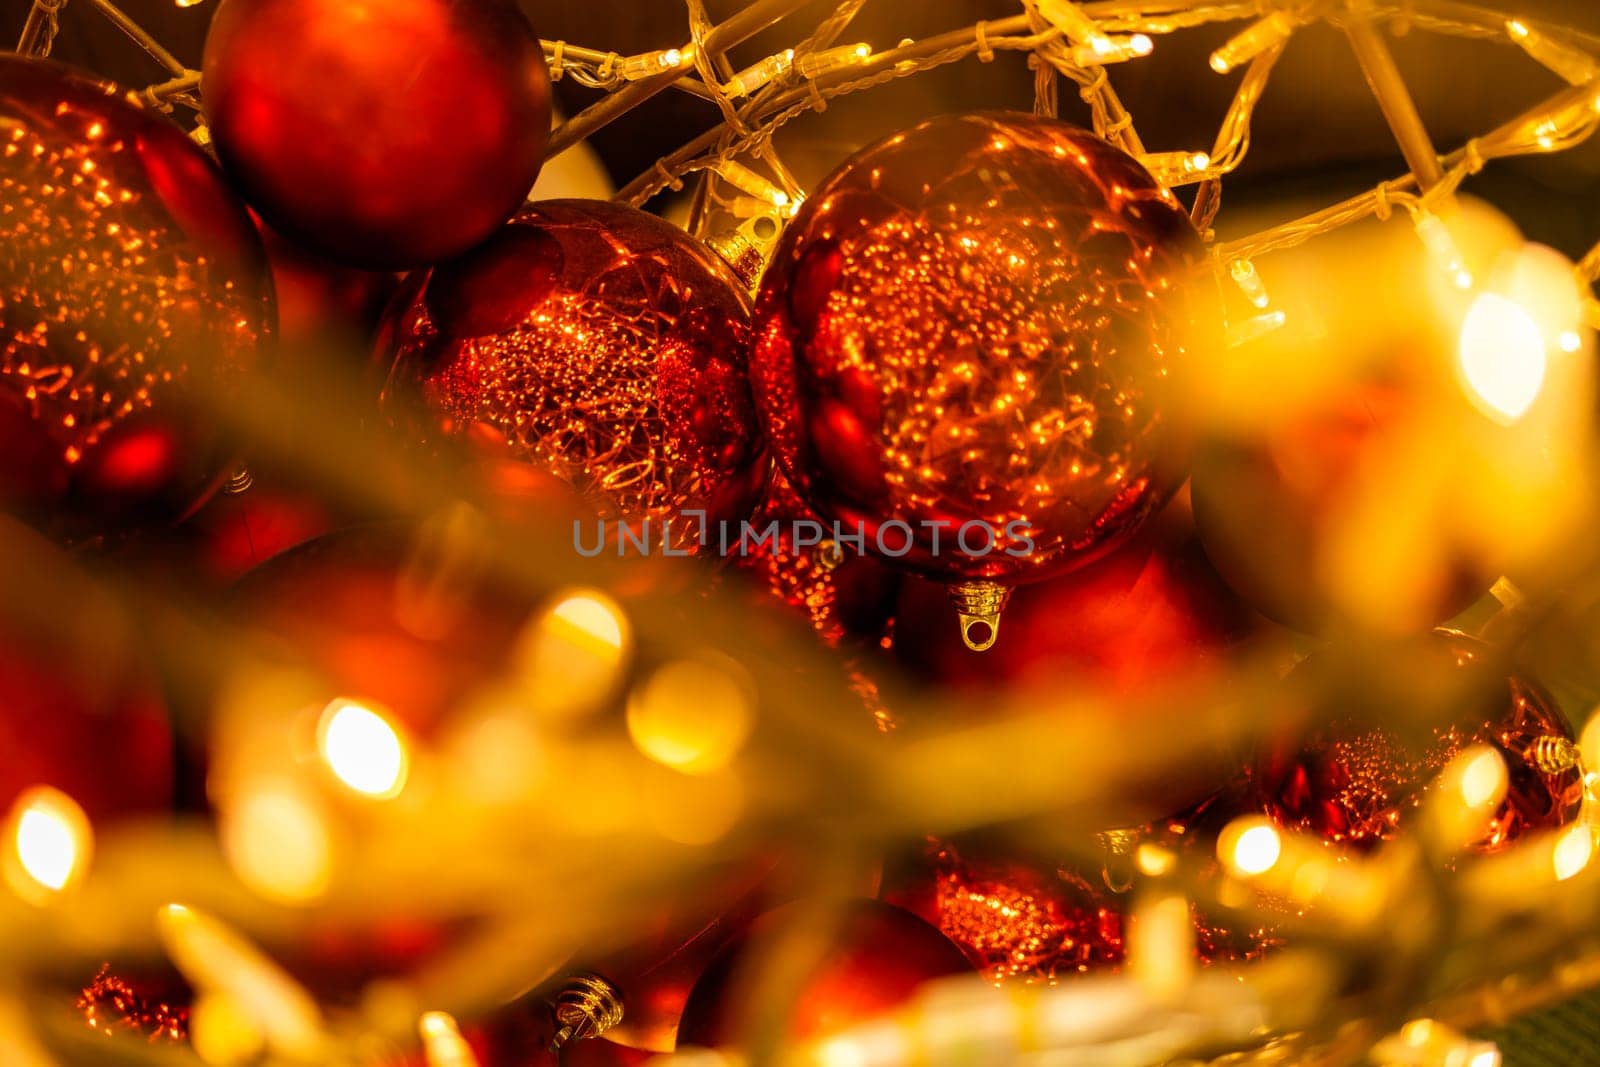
(741, 254)
(586, 1006)
(980, 604)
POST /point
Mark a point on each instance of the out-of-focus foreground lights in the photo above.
(442, 1042)
(1250, 845)
(222, 1032)
(691, 716)
(275, 839)
(571, 655)
(48, 844)
(363, 749)
(1574, 849)
(1502, 357)
(1483, 782)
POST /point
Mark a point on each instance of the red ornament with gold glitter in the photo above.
(602, 344)
(1356, 783)
(874, 958)
(113, 1005)
(966, 340)
(1018, 920)
(388, 135)
(134, 298)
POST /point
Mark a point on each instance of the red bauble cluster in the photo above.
(1356, 782)
(966, 344)
(601, 344)
(134, 301)
(385, 135)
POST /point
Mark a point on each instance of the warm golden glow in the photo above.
(1483, 781)
(1574, 849)
(691, 715)
(275, 840)
(49, 843)
(1250, 846)
(442, 1042)
(363, 749)
(1502, 357)
(222, 1032)
(572, 654)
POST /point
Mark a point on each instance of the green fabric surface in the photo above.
(1567, 1035)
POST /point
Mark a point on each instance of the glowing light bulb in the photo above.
(1574, 849)
(1255, 39)
(691, 716)
(1483, 782)
(50, 842)
(1245, 276)
(1569, 341)
(442, 1042)
(275, 840)
(819, 63)
(363, 749)
(1103, 50)
(1501, 357)
(1250, 845)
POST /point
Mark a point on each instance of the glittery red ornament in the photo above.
(966, 343)
(848, 597)
(1017, 920)
(602, 344)
(872, 958)
(133, 300)
(382, 135)
(1356, 783)
(112, 1005)
(78, 710)
(1266, 510)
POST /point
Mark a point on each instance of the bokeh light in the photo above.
(49, 844)
(691, 715)
(363, 748)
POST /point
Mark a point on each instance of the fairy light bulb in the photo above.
(571, 655)
(759, 74)
(1112, 50)
(363, 749)
(49, 844)
(1176, 168)
(1255, 328)
(1255, 39)
(829, 60)
(1567, 63)
(1244, 275)
(442, 1043)
(742, 177)
(649, 64)
(1250, 845)
(1483, 780)
(1501, 357)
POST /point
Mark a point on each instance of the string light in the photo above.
(1078, 27)
(1244, 275)
(759, 74)
(1254, 328)
(1258, 37)
(1565, 62)
(1442, 248)
(1574, 849)
(363, 749)
(571, 655)
(1176, 168)
(1250, 845)
(742, 177)
(49, 842)
(1117, 50)
(649, 64)
(816, 64)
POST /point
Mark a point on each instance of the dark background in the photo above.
(1318, 137)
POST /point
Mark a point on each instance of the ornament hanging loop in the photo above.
(587, 1006)
(980, 604)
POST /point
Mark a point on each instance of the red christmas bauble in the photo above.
(1017, 920)
(382, 135)
(604, 345)
(966, 340)
(322, 306)
(1267, 510)
(875, 957)
(847, 596)
(386, 616)
(134, 299)
(79, 711)
(1357, 783)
